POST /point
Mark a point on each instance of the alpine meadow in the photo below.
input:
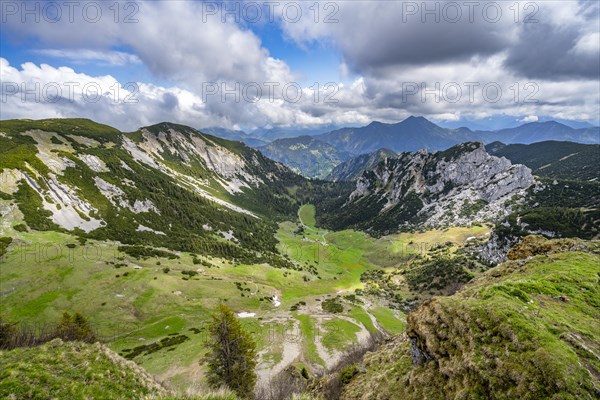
(326, 200)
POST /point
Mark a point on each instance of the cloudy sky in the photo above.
(255, 64)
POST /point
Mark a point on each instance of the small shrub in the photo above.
(332, 306)
(348, 373)
(21, 228)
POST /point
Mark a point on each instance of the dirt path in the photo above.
(291, 348)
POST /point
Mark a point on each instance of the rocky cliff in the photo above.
(458, 186)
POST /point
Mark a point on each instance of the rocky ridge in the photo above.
(458, 186)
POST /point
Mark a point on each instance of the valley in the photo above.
(133, 303)
(147, 233)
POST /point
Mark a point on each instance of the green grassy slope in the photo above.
(58, 370)
(527, 329)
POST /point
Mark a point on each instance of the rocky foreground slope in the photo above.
(528, 329)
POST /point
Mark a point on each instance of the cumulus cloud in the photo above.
(176, 40)
(549, 39)
(374, 35)
(529, 118)
(396, 60)
(46, 92)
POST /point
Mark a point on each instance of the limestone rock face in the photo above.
(458, 186)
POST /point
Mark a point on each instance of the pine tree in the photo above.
(75, 328)
(232, 356)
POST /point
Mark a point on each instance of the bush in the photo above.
(21, 228)
(348, 373)
(7, 332)
(75, 328)
(332, 306)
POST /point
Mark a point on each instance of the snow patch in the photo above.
(276, 301)
(246, 315)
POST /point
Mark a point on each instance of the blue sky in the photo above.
(387, 60)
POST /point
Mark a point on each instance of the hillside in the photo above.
(527, 329)
(352, 169)
(146, 233)
(552, 159)
(79, 371)
(165, 185)
(305, 155)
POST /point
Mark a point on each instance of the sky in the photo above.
(261, 64)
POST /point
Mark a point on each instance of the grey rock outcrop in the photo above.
(458, 186)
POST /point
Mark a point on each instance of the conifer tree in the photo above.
(232, 356)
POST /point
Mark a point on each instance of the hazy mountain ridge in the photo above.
(412, 134)
(542, 131)
(352, 169)
(241, 136)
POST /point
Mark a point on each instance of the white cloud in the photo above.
(186, 48)
(176, 40)
(81, 56)
(529, 118)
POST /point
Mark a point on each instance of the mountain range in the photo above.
(164, 185)
(414, 133)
